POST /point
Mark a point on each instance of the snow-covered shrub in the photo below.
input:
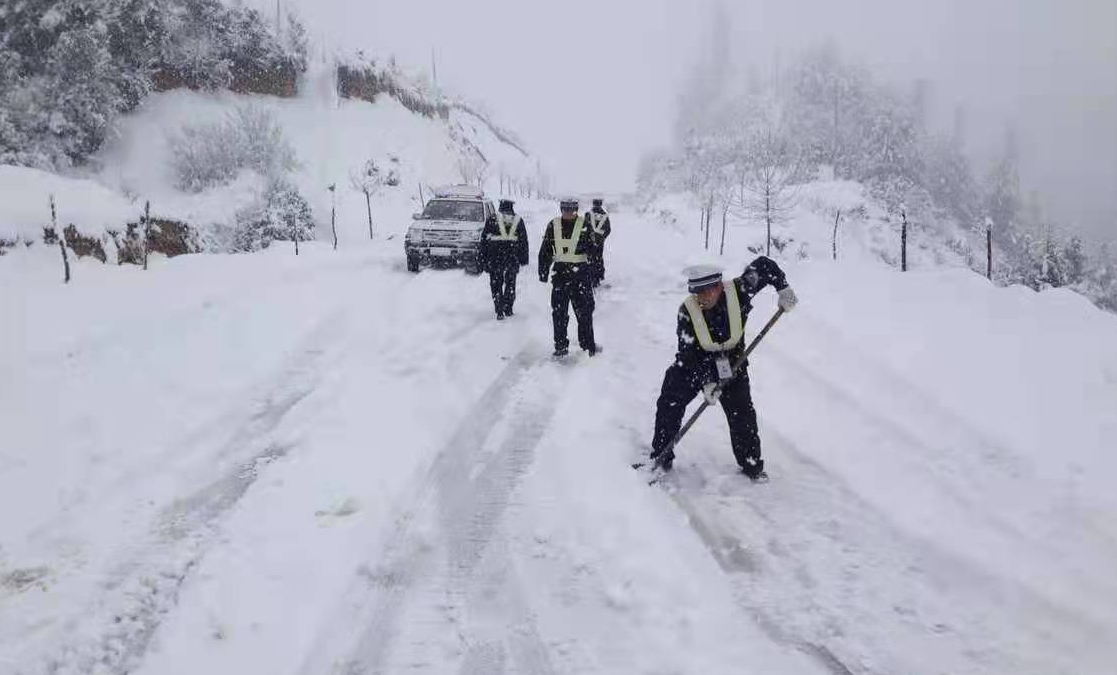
(207, 155)
(282, 214)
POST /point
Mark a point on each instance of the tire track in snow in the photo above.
(970, 506)
(143, 588)
(828, 574)
(734, 556)
(462, 496)
(493, 604)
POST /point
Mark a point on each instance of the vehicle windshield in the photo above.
(449, 209)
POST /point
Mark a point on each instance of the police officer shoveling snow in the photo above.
(712, 359)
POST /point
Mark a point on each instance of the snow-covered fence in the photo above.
(61, 244)
(903, 239)
(333, 211)
(989, 248)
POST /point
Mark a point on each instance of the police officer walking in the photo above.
(598, 219)
(711, 328)
(504, 249)
(566, 259)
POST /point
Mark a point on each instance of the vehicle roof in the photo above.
(457, 198)
(459, 192)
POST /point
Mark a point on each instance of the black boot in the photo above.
(664, 460)
(754, 469)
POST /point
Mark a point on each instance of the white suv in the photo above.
(448, 231)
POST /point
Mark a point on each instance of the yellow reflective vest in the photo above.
(506, 228)
(702, 330)
(565, 248)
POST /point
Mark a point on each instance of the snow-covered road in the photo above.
(324, 464)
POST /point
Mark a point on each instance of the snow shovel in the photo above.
(737, 368)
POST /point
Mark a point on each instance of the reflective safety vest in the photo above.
(506, 227)
(564, 248)
(598, 221)
(702, 330)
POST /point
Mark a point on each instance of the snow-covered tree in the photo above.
(368, 179)
(472, 167)
(1002, 185)
(827, 106)
(68, 67)
(282, 214)
(81, 74)
(297, 43)
(950, 182)
(767, 175)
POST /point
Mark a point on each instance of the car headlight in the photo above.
(475, 235)
(415, 234)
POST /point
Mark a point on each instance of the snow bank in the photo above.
(91, 207)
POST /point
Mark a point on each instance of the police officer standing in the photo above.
(504, 249)
(598, 218)
(566, 258)
(711, 328)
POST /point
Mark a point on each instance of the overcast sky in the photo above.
(591, 84)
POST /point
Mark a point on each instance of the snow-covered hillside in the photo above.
(331, 139)
(325, 464)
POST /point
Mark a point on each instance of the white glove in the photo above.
(711, 395)
(787, 299)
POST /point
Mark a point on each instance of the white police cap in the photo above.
(702, 276)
